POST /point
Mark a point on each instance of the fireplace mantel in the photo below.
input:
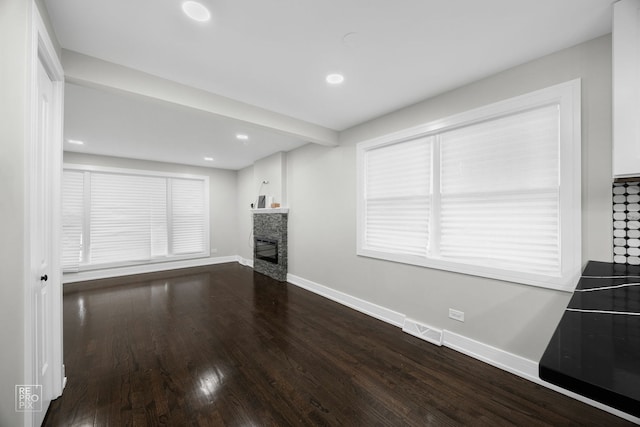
(270, 211)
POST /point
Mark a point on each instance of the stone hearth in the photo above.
(271, 224)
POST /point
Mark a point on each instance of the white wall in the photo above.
(516, 318)
(15, 18)
(247, 194)
(273, 170)
(222, 188)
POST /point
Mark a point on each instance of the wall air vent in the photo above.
(424, 332)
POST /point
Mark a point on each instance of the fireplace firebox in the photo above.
(266, 249)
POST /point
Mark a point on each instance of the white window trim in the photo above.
(567, 95)
(140, 172)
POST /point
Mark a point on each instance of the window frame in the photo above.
(567, 96)
(85, 266)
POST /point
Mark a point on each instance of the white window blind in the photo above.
(500, 192)
(72, 219)
(187, 209)
(493, 192)
(120, 217)
(398, 197)
(158, 221)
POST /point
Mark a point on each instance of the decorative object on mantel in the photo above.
(261, 202)
(275, 205)
(626, 222)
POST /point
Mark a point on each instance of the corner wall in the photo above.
(247, 194)
(515, 318)
(273, 170)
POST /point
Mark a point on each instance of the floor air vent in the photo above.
(424, 332)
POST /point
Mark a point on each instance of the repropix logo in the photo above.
(28, 398)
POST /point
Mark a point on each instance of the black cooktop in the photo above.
(595, 351)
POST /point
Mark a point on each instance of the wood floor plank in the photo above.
(224, 346)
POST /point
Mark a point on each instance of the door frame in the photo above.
(42, 49)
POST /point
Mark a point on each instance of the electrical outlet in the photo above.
(456, 315)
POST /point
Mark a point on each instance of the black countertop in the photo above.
(595, 351)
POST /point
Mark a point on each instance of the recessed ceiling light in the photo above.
(196, 11)
(209, 159)
(335, 79)
(75, 141)
(242, 136)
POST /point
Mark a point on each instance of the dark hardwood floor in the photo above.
(223, 345)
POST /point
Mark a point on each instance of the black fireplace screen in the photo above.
(266, 249)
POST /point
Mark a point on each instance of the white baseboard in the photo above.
(366, 307)
(517, 365)
(245, 261)
(504, 360)
(108, 273)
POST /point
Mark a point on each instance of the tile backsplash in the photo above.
(626, 223)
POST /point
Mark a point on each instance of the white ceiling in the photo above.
(276, 54)
(137, 127)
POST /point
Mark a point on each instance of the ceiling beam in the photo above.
(93, 72)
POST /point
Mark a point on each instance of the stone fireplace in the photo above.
(270, 242)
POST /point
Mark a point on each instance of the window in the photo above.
(399, 197)
(115, 217)
(493, 192)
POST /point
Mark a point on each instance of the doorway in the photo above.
(43, 314)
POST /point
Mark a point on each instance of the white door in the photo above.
(43, 290)
(41, 227)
